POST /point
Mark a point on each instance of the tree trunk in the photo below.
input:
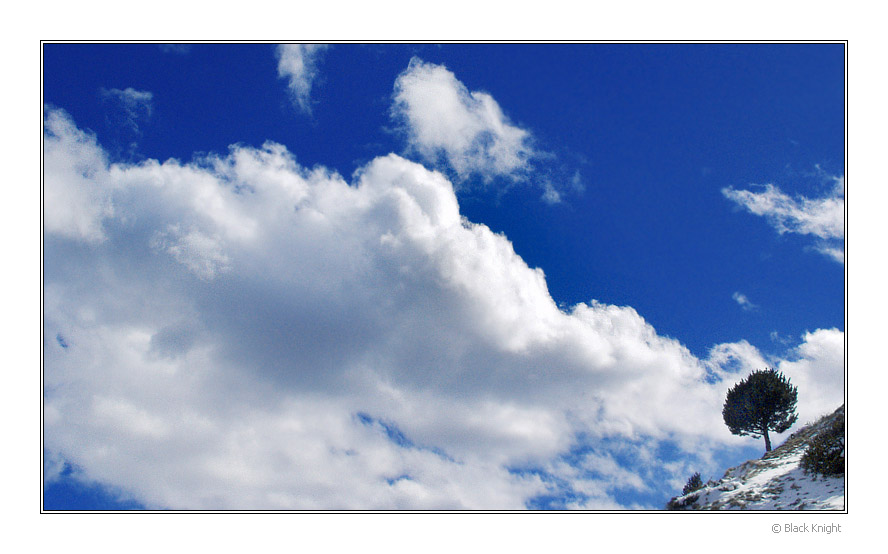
(767, 440)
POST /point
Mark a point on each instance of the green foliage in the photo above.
(684, 504)
(826, 453)
(765, 401)
(694, 483)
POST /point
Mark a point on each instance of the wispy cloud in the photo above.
(744, 302)
(131, 106)
(180, 49)
(298, 64)
(550, 194)
(822, 217)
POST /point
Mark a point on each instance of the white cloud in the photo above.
(132, 106)
(76, 186)
(551, 194)
(242, 332)
(738, 358)
(466, 129)
(200, 253)
(837, 253)
(298, 64)
(743, 301)
(821, 217)
(816, 367)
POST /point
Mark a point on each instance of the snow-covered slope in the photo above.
(775, 482)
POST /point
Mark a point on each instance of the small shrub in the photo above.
(685, 504)
(694, 483)
(826, 453)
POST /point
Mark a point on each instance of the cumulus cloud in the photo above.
(76, 187)
(298, 64)
(466, 129)
(739, 358)
(816, 367)
(823, 217)
(130, 106)
(242, 332)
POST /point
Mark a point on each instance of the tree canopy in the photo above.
(764, 401)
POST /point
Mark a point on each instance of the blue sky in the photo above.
(430, 276)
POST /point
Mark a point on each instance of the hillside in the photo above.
(774, 482)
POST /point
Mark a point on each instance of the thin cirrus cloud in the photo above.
(131, 106)
(243, 332)
(823, 218)
(445, 121)
(298, 64)
(743, 301)
(173, 48)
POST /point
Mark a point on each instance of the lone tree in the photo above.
(764, 401)
(694, 483)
